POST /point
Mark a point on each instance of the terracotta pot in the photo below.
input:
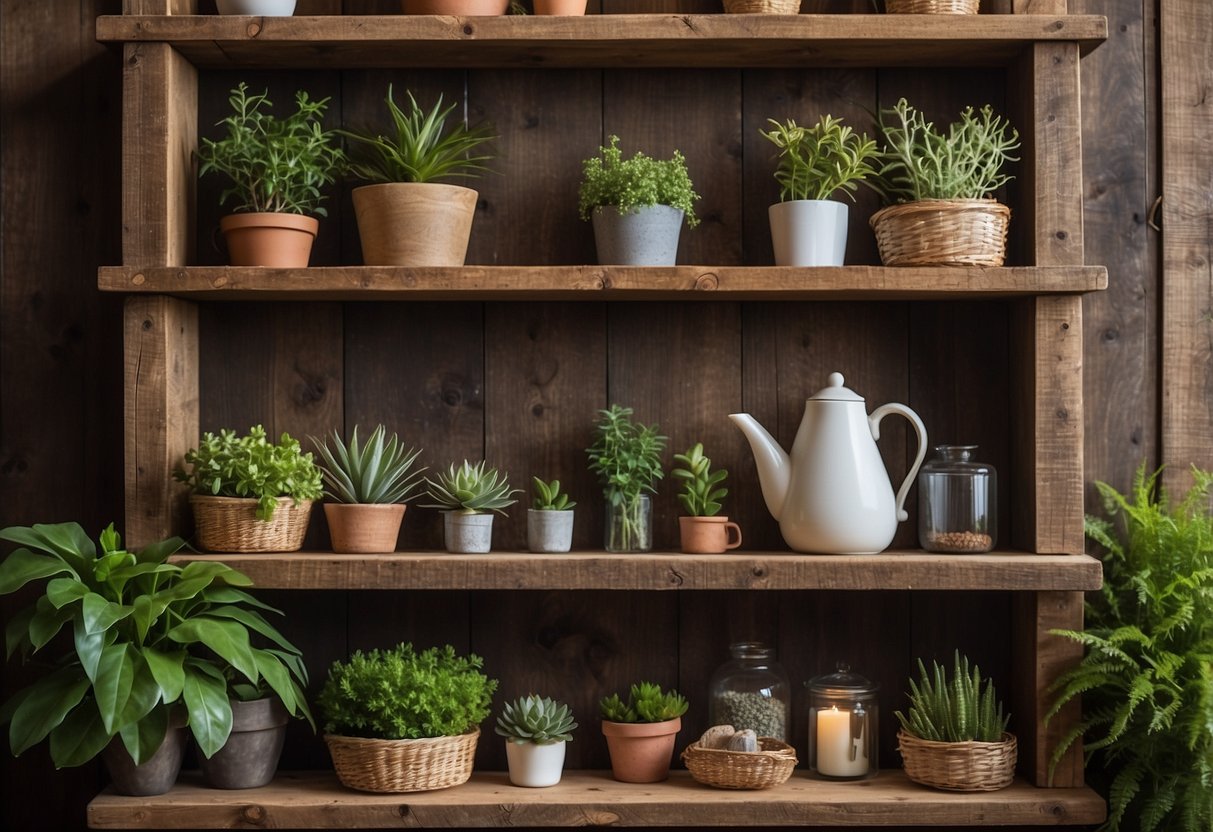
(708, 535)
(563, 7)
(281, 241)
(466, 8)
(414, 223)
(250, 756)
(364, 528)
(641, 752)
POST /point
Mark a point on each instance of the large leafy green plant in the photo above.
(1146, 681)
(626, 456)
(635, 183)
(815, 162)
(147, 636)
(380, 470)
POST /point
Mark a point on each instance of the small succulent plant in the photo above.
(647, 702)
(379, 471)
(548, 496)
(537, 720)
(954, 709)
(700, 495)
(471, 489)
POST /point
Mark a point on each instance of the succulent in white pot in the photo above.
(549, 522)
(535, 730)
(468, 496)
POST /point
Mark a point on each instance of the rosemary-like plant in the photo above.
(626, 456)
(548, 496)
(700, 495)
(377, 471)
(471, 489)
(817, 161)
(635, 183)
(956, 709)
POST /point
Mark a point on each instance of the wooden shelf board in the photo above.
(315, 800)
(901, 570)
(601, 282)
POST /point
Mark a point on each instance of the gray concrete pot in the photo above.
(549, 531)
(467, 533)
(648, 237)
(249, 758)
(152, 777)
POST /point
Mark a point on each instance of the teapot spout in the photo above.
(774, 466)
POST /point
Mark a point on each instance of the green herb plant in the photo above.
(471, 489)
(816, 162)
(701, 491)
(276, 165)
(378, 471)
(537, 720)
(626, 456)
(251, 466)
(631, 184)
(548, 496)
(646, 702)
(956, 709)
(1146, 681)
(402, 694)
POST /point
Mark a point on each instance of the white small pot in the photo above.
(549, 531)
(533, 765)
(809, 232)
(647, 237)
(467, 533)
(259, 8)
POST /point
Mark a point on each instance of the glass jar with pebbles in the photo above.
(957, 502)
(751, 691)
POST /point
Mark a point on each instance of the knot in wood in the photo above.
(138, 279)
(707, 282)
(253, 30)
(253, 814)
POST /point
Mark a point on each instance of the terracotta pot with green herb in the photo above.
(640, 733)
(468, 496)
(549, 521)
(626, 456)
(702, 529)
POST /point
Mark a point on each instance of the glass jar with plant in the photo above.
(549, 521)
(637, 205)
(468, 496)
(535, 729)
(703, 529)
(626, 456)
(640, 732)
(277, 168)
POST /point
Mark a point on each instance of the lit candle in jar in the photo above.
(838, 753)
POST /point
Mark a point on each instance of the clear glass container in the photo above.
(629, 526)
(957, 502)
(751, 690)
(843, 726)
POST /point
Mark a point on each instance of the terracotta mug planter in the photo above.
(364, 528)
(561, 7)
(467, 8)
(280, 241)
(414, 223)
(641, 752)
(708, 535)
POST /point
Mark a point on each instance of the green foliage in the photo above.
(274, 164)
(548, 496)
(536, 720)
(700, 495)
(251, 466)
(816, 161)
(919, 162)
(647, 702)
(1146, 680)
(401, 694)
(146, 636)
(379, 471)
(472, 489)
(422, 148)
(632, 184)
(626, 456)
(955, 709)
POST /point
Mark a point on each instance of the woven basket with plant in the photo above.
(932, 6)
(762, 6)
(722, 768)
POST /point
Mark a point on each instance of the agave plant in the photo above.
(471, 489)
(379, 471)
(537, 720)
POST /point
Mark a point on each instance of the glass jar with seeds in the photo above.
(751, 690)
(957, 502)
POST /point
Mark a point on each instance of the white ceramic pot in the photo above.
(259, 8)
(647, 237)
(549, 531)
(535, 766)
(809, 232)
(467, 533)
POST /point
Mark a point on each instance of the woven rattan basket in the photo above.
(370, 765)
(932, 6)
(959, 766)
(230, 524)
(943, 232)
(762, 6)
(741, 770)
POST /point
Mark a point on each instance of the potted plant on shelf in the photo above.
(939, 185)
(549, 522)
(702, 530)
(535, 730)
(808, 228)
(367, 486)
(640, 733)
(561, 7)
(402, 721)
(277, 168)
(932, 6)
(406, 217)
(257, 8)
(955, 734)
(249, 494)
(468, 496)
(637, 206)
(626, 456)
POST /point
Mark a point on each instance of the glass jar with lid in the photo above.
(843, 726)
(957, 502)
(751, 690)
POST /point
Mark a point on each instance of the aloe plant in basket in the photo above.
(640, 732)
(626, 456)
(468, 496)
(535, 730)
(702, 529)
(549, 521)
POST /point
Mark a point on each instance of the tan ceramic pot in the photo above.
(563, 7)
(708, 535)
(364, 528)
(414, 223)
(466, 8)
(282, 241)
(641, 752)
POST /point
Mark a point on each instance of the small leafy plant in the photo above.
(548, 496)
(700, 495)
(471, 489)
(251, 466)
(402, 694)
(626, 456)
(647, 702)
(815, 162)
(379, 471)
(631, 184)
(958, 709)
(537, 720)
(275, 164)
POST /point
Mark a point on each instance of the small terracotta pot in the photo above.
(466, 8)
(364, 528)
(281, 241)
(414, 223)
(562, 7)
(708, 535)
(641, 752)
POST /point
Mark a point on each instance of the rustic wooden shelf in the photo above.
(601, 282)
(315, 800)
(910, 569)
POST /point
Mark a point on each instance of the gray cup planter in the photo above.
(249, 758)
(152, 777)
(549, 531)
(648, 237)
(467, 533)
(809, 232)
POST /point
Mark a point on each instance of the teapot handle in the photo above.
(874, 422)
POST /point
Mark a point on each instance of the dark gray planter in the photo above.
(648, 237)
(249, 758)
(155, 776)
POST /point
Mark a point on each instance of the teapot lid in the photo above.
(835, 392)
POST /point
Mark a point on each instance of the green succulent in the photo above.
(647, 702)
(472, 489)
(379, 471)
(816, 161)
(548, 496)
(700, 495)
(956, 709)
(537, 720)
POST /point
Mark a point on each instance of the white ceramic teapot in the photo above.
(833, 495)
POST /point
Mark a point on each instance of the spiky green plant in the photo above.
(548, 496)
(647, 702)
(1146, 680)
(471, 489)
(700, 495)
(379, 471)
(815, 162)
(955, 709)
(537, 720)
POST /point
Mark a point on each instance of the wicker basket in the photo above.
(391, 766)
(943, 232)
(230, 524)
(932, 6)
(762, 6)
(959, 766)
(739, 769)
